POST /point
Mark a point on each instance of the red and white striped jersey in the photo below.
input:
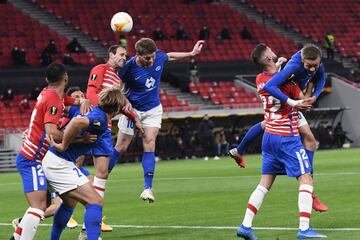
(101, 76)
(48, 109)
(281, 119)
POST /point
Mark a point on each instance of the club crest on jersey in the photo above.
(53, 110)
(158, 68)
(97, 123)
(93, 76)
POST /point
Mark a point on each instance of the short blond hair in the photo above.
(111, 100)
(145, 46)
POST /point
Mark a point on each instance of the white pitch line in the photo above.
(209, 227)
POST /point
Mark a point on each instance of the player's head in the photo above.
(75, 92)
(111, 100)
(117, 56)
(311, 57)
(56, 74)
(263, 55)
(145, 49)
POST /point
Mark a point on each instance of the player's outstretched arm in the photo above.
(72, 130)
(179, 55)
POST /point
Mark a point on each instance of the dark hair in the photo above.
(145, 46)
(257, 53)
(113, 48)
(55, 72)
(311, 51)
(72, 89)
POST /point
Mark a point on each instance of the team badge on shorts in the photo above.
(93, 76)
(53, 110)
(41, 181)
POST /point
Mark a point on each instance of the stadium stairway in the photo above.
(193, 100)
(7, 160)
(58, 25)
(290, 33)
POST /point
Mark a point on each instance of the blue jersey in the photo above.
(294, 70)
(143, 84)
(98, 124)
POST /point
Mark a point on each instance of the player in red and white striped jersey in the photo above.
(282, 150)
(277, 113)
(45, 119)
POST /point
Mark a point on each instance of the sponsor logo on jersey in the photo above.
(93, 76)
(53, 110)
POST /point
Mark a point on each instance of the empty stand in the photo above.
(226, 94)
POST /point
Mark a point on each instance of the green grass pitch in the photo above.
(194, 194)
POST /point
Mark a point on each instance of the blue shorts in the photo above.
(31, 173)
(104, 145)
(284, 155)
(84, 171)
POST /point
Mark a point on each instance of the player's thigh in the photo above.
(84, 194)
(308, 137)
(292, 154)
(37, 199)
(123, 140)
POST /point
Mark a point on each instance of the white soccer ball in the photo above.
(121, 22)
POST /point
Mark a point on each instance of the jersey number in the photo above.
(276, 106)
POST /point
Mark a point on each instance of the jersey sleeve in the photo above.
(274, 84)
(53, 109)
(319, 80)
(94, 84)
(97, 122)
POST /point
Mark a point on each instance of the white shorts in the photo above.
(62, 175)
(151, 118)
(301, 120)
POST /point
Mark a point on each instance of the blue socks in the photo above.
(250, 137)
(148, 164)
(113, 159)
(92, 219)
(61, 217)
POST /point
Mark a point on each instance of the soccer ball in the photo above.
(121, 22)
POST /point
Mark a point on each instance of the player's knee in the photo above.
(95, 199)
(305, 179)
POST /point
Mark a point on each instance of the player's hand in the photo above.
(305, 104)
(58, 146)
(139, 125)
(312, 99)
(279, 62)
(89, 138)
(127, 107)
(197, 47)
(85, 106)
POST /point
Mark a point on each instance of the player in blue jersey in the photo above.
(141, 75)
(307, 69)
(59, 163)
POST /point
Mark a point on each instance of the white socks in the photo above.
(99, 185)
(254, 204)
(305, 205)
(29, 223)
